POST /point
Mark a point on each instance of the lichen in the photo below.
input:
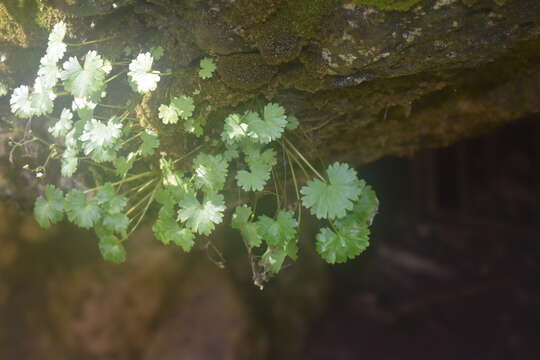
(387, 5)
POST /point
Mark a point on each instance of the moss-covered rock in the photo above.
(386, 5)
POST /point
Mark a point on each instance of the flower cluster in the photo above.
(25, 103)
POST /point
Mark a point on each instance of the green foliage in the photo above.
(111, 248)
(49, 209)
(210, 172)
(202, 217)
(122, 172)
(271, 126)
(167, 230)
(333, 198)
(150, 142)
(207, 68)
(351, 235)
(81, 212)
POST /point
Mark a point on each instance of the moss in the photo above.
(23, 21)
(245, 71)
(280, 39)
(387, 5)
(11, 31)
(304, 17)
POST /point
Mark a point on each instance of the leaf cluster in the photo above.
(191, 192)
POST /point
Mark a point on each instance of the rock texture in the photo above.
(366, 78)
(393, 75)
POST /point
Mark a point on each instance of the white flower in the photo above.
(71, 140)
(141, 73)
(58, 32)
(97, 134)
(84, 108)
(20, 102)
(3, 89)
(42, 99)
(49, 71)
(64, 125)
(82, 103)
(56, 46)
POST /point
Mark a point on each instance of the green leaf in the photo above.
(170, 195)
(116, 222)
(231, 152)
(109, 200)
(150, 142)
(49, 210)
(280, 231)
(123, 164)
(111, 248)
(210, 172)
(88, 80)
(366, 206)
(170, 176)
(100, 136)
(234, 129)
(334, 198)
(195, 125)
(168, 114)
(157, 52)
(241, 216)
(292, 123)
(69, 162)
(81, 212)
(201, 217)
(207, 68)
(292, 249)
(3, 89)
(183, 106)
(271, 127)
(273, 259)
(248, 230)
(253, 180)
(167, 230)
(351, 241)
(256, 158)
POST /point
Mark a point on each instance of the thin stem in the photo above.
(132, 138)
(89, 161)
(292, 156)
(113, 106)
(137, 204)
(141, 187)
(276, 188)
(189, 153)
(115, 76)
(92, 41)
(304, 159)
(295, 188)
(152, 195)
(126, 180)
